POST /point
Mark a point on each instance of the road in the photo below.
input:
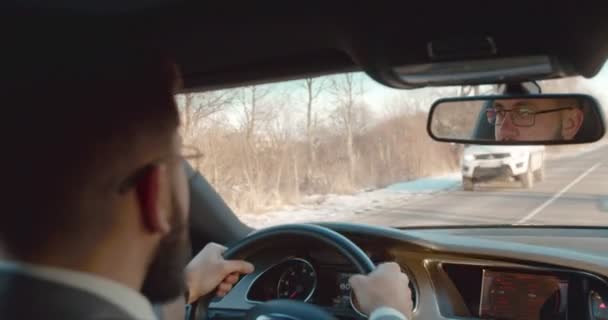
(574, 192)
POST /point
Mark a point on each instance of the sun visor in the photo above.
(476, 71)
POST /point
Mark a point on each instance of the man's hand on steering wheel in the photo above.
(209, 271)
(386, 286)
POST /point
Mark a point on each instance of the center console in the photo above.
(518, 295)
(494, 292)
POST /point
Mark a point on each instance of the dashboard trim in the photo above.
(414, 283)
(482, 243)
(496, 264)
(352, 305)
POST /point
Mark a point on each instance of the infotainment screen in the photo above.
(511, 295)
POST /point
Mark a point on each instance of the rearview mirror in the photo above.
(512, 120)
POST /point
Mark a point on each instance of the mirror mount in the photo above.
(520, 88)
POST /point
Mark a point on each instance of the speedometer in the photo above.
(298, 280)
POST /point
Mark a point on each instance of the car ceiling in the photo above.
(227, 44)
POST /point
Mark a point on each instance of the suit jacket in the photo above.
(23, 297)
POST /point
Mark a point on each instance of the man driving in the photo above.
(95, 217)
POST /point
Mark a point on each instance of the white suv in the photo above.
(481, 163)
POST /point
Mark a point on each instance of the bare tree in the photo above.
(313, 88)
(200, 106)
(346, 89)
(200, 112)
(250, 99)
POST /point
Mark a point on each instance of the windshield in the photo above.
(344, 148)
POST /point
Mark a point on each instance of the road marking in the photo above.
(557, 195)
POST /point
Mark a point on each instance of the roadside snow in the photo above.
(334, 207)
(427, 185)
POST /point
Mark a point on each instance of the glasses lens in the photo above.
(523, 117)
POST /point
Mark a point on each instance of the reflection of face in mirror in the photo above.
(535, 119)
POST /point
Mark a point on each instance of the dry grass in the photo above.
(268, 171)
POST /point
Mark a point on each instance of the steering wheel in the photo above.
(288, 309)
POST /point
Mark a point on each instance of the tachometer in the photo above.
(298, 280)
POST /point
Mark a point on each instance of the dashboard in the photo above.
(446, 282)
(297, 278)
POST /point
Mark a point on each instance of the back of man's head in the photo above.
(80, 115)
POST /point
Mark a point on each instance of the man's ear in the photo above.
(149, 192)
(571, 123)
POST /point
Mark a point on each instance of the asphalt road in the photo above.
(574, 192)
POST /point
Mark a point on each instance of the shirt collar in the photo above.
(129, 300)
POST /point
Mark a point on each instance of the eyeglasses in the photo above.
(187, 153)
(521, 116)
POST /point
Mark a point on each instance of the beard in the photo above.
(164, 280)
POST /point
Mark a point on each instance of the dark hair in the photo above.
(70, 115)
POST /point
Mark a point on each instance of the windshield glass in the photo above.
(344, 148)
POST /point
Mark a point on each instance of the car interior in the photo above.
(454, 271)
